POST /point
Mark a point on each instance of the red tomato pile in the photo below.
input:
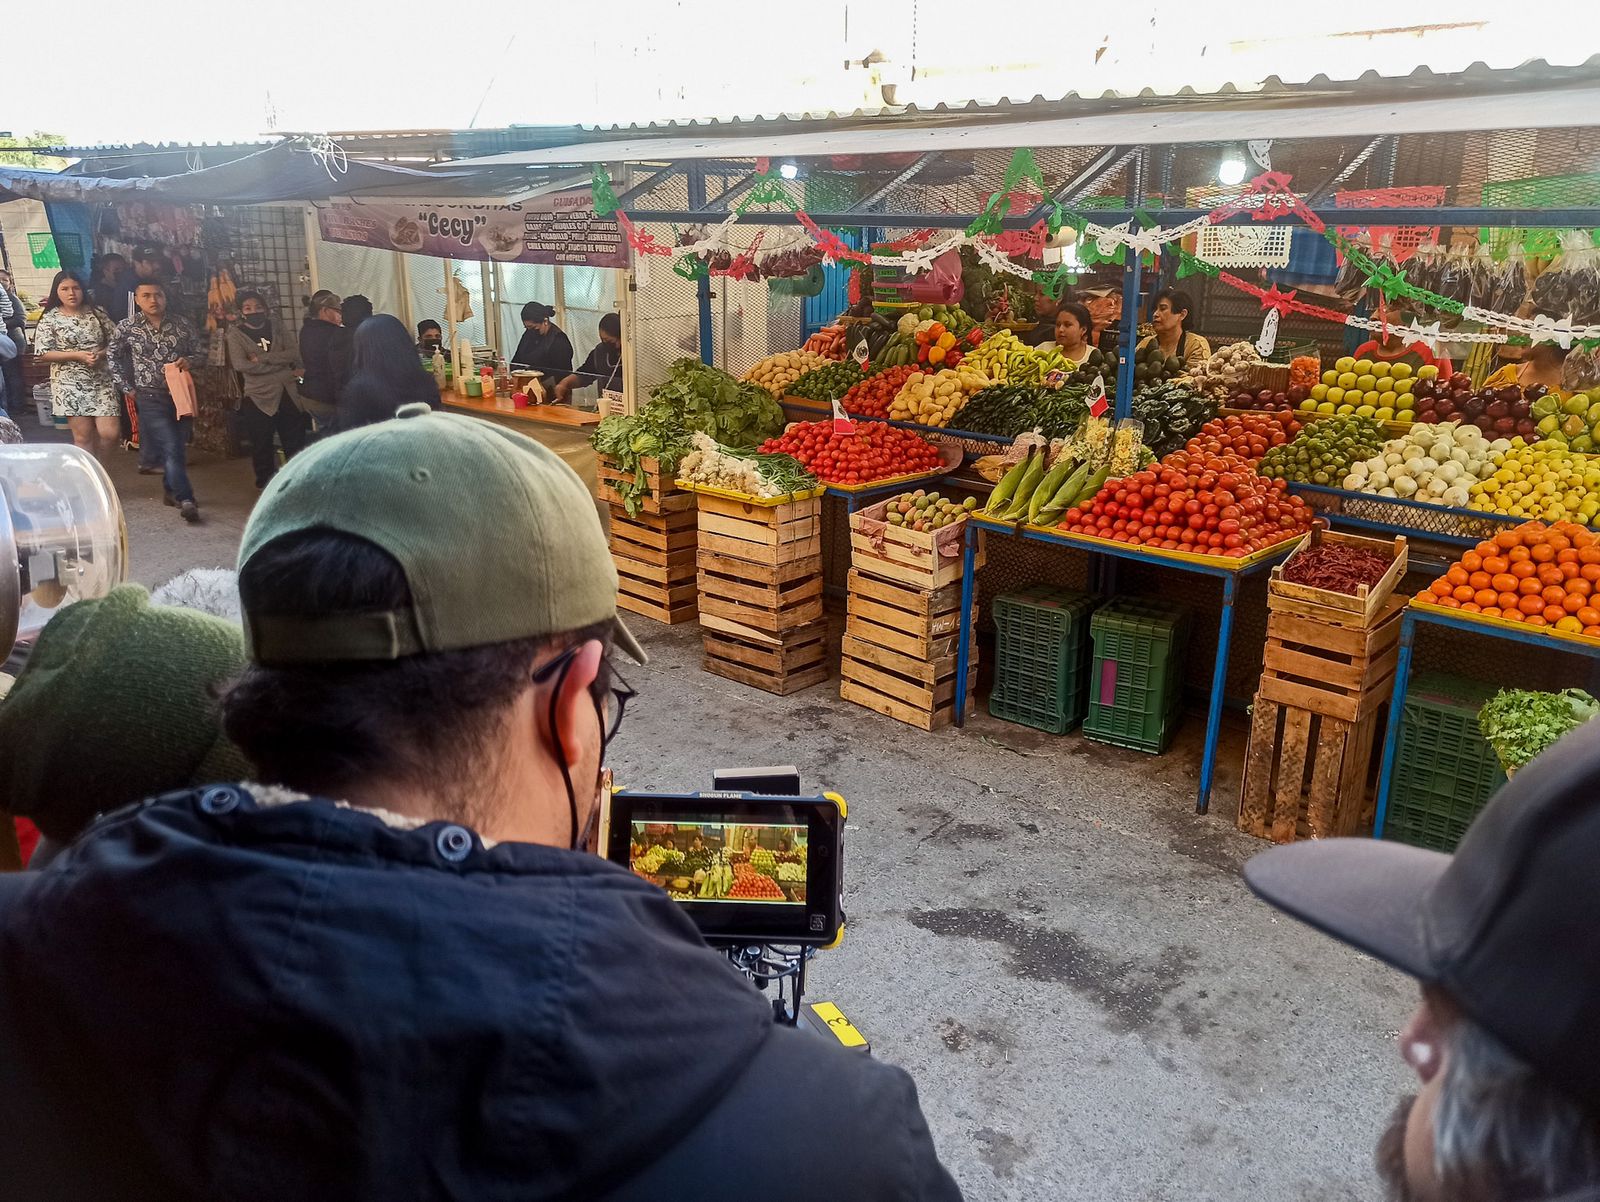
(1196, 502)
(1247, 435)
(872, 397)
(873, 452)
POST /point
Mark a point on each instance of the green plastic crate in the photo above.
(1041, 657)
(1136, 680)
(1445, 770)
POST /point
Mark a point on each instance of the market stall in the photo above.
(1391, 352)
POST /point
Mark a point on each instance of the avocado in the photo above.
(1174, 365)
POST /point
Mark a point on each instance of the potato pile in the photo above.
(934, 399)
(776, 372)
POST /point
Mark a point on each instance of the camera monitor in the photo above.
(746, 868)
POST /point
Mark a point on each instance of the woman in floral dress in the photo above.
(73, 336)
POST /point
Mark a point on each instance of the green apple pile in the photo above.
(1364, 388)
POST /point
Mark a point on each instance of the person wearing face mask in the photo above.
(268, 364)
(1500, 937)
(396, 962)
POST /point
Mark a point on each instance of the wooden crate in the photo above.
(760, 565)
(899, 651)
(664, 497)
(922, 624)
(1339, 671)
(1367, 602)
(919, 559)
(790, 597)
(655, 560)
(915, 700)
(780, 663)
(1306, 775)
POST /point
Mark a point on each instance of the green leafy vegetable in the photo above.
(1520, 724)
(694, 397)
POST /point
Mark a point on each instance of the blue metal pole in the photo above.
(1130, 335)
(969, 575)
(1391, 734)
(1219, 685)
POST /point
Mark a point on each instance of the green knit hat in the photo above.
(116, 704)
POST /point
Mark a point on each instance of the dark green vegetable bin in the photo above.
(1042, 644)
(1136, 680)
(1444, 770)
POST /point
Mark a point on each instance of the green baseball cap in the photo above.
(499, 540)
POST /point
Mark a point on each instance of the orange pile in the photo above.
(1537, 574)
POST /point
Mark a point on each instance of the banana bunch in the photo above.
(220, 293)
(932, 400)
(993, 354)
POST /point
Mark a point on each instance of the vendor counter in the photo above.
(562, 428)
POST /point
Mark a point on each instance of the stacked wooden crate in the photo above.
(1329, 668)
(760, 592)
(903, 622)
(654, 549)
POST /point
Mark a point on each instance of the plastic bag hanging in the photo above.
(1269, 334)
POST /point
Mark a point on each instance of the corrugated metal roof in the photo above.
(1293, 115)
(1475, 75)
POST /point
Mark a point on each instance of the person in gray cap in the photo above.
(1502, 938)
(389, 973)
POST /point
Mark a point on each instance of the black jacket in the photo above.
(325, 352)
(550, 353)
(205, 998)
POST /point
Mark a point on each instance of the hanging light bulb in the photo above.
(789, 170)
(1232, 168)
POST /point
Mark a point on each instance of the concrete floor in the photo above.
(1042, 931)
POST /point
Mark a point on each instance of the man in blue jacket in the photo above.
(390, 973)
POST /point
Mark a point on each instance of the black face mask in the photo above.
(254, 320)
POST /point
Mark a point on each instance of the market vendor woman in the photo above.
(1171, 321)
(603, 367)
(1073, 326)
(544, 347)
(1541, 365)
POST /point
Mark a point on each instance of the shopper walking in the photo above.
(1500, 937)
(149, 263)
(325, 353)
(270, 408)
(144, 345)
(386, 375)
(74, 337)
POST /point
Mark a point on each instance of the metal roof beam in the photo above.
(1102, 165)
(867, 205)
(1321, 192)
(720, 202)
(645, 185)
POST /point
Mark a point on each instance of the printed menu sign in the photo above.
(559, 228)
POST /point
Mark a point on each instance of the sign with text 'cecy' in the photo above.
(559, 228)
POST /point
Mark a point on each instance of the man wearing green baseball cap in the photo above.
(388, 973)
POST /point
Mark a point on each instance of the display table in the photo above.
(1533, 636)
(1229, 571)
(568, 439)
